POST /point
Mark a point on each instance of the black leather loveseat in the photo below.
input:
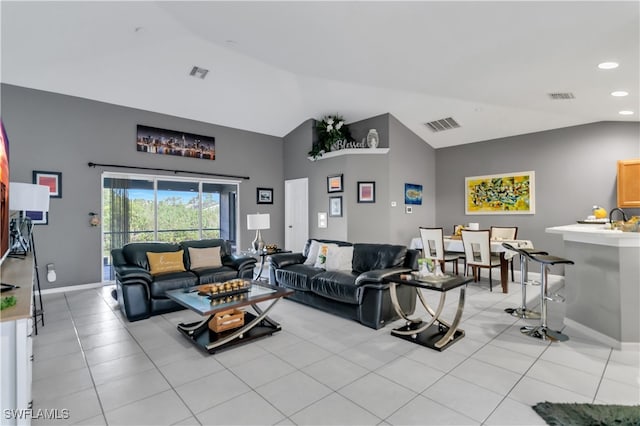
(142, 294)
(358, 292)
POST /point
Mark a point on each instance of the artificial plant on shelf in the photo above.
(331, 130)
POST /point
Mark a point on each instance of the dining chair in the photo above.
(505, 233)
(456, 234)
(433, 248)
(477, 249)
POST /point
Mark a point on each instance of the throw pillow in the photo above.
(205, 257)
(339, 258)
(313, 253)
(161, 263)
(321, 259)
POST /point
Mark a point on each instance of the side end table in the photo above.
(434, 333)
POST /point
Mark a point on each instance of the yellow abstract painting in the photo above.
(508, 193)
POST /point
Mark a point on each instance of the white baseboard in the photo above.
(600, 337)
(69, 288)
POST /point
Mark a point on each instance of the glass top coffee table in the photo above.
(254, 325)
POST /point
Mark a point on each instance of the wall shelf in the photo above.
(351, 151)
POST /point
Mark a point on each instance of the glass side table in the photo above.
(263, 256)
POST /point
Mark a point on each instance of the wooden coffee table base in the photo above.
(256, 326)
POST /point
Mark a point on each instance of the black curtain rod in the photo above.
(169, 170)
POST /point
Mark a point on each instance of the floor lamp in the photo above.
(26, 197)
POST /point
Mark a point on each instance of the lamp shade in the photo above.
(28, 197)
(258, 221)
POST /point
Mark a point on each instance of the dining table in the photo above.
(454, 244)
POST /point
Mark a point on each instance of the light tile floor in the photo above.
(320, 369)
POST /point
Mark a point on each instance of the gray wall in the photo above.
(410, 160)
(575, 168)
(60, 133)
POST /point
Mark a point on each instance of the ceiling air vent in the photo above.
(559, 95)
(198, 72)
(442, 125)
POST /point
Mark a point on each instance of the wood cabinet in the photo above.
(629, 183)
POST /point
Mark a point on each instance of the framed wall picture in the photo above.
(507, 193)
(366, 192)
(170, 142)
(334, 183)
(335, 206)
(38, 218)
(51, 179)
(413, 194)
(264, 195)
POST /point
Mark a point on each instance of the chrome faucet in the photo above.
(616, 209)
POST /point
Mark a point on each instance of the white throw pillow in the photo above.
(323, 251)
(205, 257)
(313, 253)
(339, 258)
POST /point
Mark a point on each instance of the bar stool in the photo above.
(522, 312)
(542, 331)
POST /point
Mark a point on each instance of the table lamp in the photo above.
(257, 222)
(25, 197)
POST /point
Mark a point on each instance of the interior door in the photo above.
(296, 214)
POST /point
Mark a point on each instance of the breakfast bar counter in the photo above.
(602, 289)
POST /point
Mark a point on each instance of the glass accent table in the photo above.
(434, 333)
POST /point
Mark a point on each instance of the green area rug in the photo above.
(588, 414)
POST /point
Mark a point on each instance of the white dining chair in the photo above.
(505, 233)
(433, 248)
(477, 250)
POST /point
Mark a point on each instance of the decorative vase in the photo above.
(372, 138)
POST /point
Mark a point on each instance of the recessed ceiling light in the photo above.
(625, 112)
(608, 65)
(619, 93)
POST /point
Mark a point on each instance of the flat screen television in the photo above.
(4, 194)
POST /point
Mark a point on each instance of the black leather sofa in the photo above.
(359, 294)
(141, 294)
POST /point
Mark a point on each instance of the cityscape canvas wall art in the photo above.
(508, 193)
(170, 142)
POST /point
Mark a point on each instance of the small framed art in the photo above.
(413, 194)
(335, 206)
(264, 195)
(51, 179)
(366, 192)
(38, 218)
(334, 183)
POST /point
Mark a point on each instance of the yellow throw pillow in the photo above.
(161, 263)
(205, 257)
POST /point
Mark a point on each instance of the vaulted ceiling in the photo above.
(489, 65)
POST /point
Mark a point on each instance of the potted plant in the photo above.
(331, 130)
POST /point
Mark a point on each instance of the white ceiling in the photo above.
(489, 65)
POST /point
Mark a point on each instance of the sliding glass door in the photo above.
(158, 208)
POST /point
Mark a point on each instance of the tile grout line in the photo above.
(93, 382)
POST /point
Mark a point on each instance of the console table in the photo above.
(435, 333)
(17, 342)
